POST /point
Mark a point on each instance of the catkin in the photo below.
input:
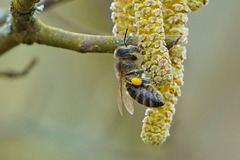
(123, 17)
(195, 5)
(157, 121)
(149, 21)
(152, 20)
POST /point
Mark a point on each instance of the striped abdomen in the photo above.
(145, 95)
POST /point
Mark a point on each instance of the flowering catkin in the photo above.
(152, 20)
(123, 17)
(195, 5)
(175, 17)
(149, 21)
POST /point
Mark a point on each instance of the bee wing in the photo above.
(120, 97)
(123, 98)
(127, 100)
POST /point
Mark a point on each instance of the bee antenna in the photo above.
(128, 40)
(125, 38)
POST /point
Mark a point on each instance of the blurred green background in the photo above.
(66, 107)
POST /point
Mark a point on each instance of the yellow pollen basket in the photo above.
(136, 81)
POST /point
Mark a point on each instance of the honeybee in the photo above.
(133, 82)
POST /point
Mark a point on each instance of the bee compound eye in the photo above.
(123, 51)
(136, 81)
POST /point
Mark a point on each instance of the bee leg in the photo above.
(144, 81)
(134, 72)
(126, 42)
(147, 81)
(128, 79)
(12, 74)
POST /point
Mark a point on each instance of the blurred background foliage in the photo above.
(66, 107)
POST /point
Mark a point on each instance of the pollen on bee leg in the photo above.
(136, 81)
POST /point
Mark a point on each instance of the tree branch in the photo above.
(83, 42)
(7, 40)
(7, 43)
(77, 42)
(46, 3)
(24, 27)
(22, 7)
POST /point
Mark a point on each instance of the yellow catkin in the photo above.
(157, 121)
(149, 21)
(150, 16)
(195, 5)
(123, 17)
(154, 124)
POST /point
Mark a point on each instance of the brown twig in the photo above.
(14, 74)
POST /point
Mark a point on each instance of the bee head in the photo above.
(128, 52)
